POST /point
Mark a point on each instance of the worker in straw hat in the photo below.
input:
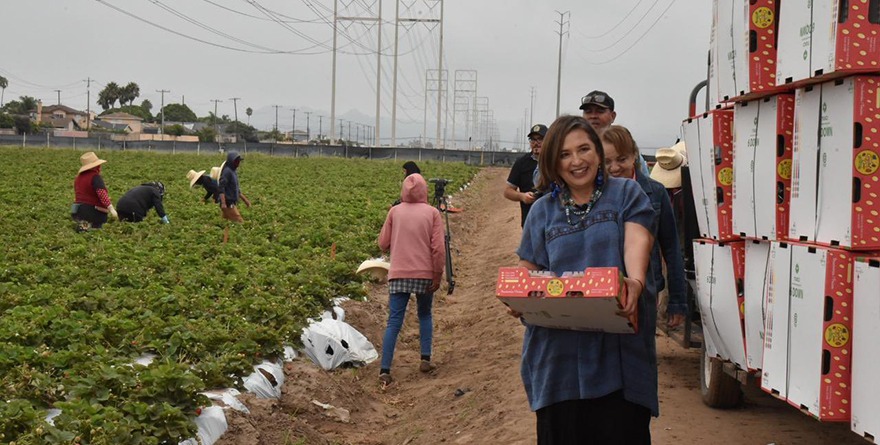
(667, 171)
(91, 205)
(209, 182)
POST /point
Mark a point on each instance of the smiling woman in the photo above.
(596, 387)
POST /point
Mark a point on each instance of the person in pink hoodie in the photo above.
(413, 233)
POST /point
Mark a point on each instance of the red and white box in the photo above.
(774, 364)
(720, 270)
(743, 48)
(849, 181)
(865, 349)
(757, 282)
(835, 163)
(820, 327)
(709, 142)
(762, 167)
(819, 39)
(581, 301)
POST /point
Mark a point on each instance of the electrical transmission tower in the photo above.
(464, 94)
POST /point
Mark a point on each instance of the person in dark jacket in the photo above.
(135, 203)
(91, 203)
(409, 168)
(621, 161)
(229, 189)
(520, 182)
(211, 185)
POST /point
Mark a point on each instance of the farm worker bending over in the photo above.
(91, 203)
(229, 189)
(209, 183)
(135, 203)
(413, 233)
(590, 387)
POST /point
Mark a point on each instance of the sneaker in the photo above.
(385, 379)
(426, 366)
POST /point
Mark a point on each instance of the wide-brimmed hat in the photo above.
(89, 160)
(376, 267)
(194, 176)
(667, 170)
(215, 173)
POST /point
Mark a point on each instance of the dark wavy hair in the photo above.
(548, 160)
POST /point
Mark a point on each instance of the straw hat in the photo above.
(194, 176)
(89, 160)
(377, 267)
(667, 170)
(215, 172)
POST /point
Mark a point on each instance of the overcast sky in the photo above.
(647, 54)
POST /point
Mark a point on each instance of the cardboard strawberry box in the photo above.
(582, 301)
(865, 354)
(720, 269)
(757, 282)
(709, 142)
(823, 39)
(820, 331)
(774, 363)
(743, 49)
(762, 167)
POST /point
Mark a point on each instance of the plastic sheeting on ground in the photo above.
(266, 380)
(332, 343)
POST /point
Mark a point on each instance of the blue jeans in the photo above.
(396, 310)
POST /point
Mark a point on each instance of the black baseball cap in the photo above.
(538, 129)
(599, 98)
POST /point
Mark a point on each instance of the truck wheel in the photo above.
(719, 390)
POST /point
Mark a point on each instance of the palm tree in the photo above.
(249, 112)
(109, 95)
(129, 93)
(3, 84)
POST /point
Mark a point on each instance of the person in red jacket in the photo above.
(91, 203)
(413, 233)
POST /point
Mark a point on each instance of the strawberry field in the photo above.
(76, 309)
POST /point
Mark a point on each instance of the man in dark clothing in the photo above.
(519, 183)
(210, 184)
(229, 190)
(134, 204)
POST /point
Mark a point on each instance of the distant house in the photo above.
(61, 117)
(135, 123)
(111, 127)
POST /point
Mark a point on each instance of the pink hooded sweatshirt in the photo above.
(413, 232)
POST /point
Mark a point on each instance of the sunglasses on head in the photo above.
(593, 98)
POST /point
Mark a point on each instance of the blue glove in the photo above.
(165, 219)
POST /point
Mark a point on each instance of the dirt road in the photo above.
(476, 395)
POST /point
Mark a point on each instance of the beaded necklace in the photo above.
(580, 212)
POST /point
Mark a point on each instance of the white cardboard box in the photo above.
(820, 326)
(719, 292)
(709, 143)
(774, 371)
(865, 349)
(731, 48)
(849, 181)
(818, 39)
(762, 167)
(757, 282)
(804, 163)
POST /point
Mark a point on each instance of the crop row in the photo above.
(78, 308)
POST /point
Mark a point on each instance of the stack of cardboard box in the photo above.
(794, 174)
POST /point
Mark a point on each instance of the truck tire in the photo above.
(718, 389)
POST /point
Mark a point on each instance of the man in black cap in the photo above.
(598, 108)
(519, 183)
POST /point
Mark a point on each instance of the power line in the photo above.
(626, 34)
(613, 27)
(638, 40)
(235, 11)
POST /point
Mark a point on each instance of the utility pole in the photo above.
(562, 22)
(293, 127)
(532, 107)
(308, 133)
(59, 96)
(216, 130)
(440, 71)
(276, 116)
(341, 130)
(235, 107)
(162, 110)
(320, 127)
(88, 104)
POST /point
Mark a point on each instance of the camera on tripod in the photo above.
(439, 186)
